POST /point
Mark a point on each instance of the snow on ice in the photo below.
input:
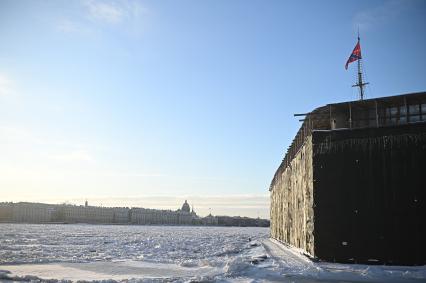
(111, 253)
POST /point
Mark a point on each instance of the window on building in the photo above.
(391, 115)
(415, 118)
(402, 114)
(413, 109)
(414, 112)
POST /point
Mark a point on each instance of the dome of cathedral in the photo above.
(185, 207)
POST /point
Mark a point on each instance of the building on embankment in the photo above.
(351, 187)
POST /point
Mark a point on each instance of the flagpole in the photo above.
(360, 83)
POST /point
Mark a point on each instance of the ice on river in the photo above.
(169, 253)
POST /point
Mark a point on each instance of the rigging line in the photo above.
(366, 79)
(363, 77)
(369, 85)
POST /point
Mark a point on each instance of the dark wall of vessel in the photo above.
(369, 195)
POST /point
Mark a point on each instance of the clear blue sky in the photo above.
(123, 101)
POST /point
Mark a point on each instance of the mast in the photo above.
(360, 82)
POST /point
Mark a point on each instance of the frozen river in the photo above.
(169, 253)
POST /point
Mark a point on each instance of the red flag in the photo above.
(356, 55)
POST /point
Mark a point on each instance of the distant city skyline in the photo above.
(231, 205)
(144, 102)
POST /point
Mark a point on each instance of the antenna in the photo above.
(360, 82)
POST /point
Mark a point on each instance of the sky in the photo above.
(149, 103)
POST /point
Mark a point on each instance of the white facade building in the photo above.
(66, 213)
